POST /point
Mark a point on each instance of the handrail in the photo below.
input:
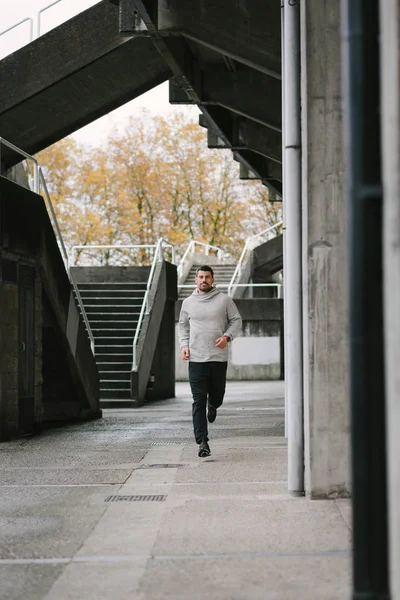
(17, 25)
(146, 308)
(53, 214)
(42, 10)
(190, 250)
(118, 247)
(279, 286)
(238, 269)
(32, 33)
(38, 182)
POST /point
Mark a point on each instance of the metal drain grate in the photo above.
(169, 443)
(152, 498)
(162, 466)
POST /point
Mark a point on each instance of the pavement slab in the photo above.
(23, 582)
(248, 578)
(122, 507)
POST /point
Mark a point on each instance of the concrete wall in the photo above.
(110, 274)
(70, 387)
(257, 352)
(390, 97)
(325, 300)
(9, 352)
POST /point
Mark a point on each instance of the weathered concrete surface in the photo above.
(227, 528)
(390, 97)
(325, 304)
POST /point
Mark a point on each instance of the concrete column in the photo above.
(325, 270)
(390, 99)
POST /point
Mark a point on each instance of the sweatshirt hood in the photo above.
(205, 297)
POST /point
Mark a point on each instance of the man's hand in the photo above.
(221, 342)
(185, 353)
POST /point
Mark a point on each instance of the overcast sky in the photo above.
(156, 101)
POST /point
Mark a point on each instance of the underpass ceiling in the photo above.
(222, 55)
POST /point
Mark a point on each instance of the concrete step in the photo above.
(113, 341)
(112, 301)
(115, 384)
(113, 285)
(112, 403)
(115, 366)
(114, 394)
(103, 352)
(113, 324)
(114, 333)
(113, 295)
(92, 309)
(106, 376)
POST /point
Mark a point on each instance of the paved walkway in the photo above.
(122, 508)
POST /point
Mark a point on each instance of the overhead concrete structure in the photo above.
(84, 68)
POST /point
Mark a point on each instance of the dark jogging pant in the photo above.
(207, 381)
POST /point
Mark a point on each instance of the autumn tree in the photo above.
(155, 178)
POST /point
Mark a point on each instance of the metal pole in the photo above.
(360, 33)
(284, 205)
(293, 276)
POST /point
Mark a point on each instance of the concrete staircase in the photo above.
(222, 276)
(113, 311)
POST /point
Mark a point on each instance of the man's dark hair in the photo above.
(205, 268)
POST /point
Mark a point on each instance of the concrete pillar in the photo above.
(390, 99)
(325, 269)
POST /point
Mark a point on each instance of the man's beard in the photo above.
(204, 287)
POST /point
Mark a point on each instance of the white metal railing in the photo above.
(37, 183)
(21, 22)
(278, 286)
(191, 249)
(249, 242)
(119, 247)
(35, 32)
(146, 308)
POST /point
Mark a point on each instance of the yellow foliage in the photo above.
(155, 179)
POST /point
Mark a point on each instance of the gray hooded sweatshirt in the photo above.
(203, 319)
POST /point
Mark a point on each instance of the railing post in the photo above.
(36, 180)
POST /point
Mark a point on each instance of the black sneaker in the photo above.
(211, 414)
(204, 449)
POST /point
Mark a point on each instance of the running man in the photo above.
(208, 321)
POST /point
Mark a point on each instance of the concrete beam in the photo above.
(261, 140)
(247, 93)
(262, 167)
(250, 35)
(191, 86)
(213, 141)
(241, 134)
(250, 32)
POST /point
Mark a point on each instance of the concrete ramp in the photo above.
(71, 76)
(268, 259)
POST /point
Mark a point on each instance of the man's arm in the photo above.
(184, 333)
(234, 320)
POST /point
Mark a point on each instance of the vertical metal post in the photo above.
(36, 178)
(360, 32)
(293, 248)
(284, 200)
